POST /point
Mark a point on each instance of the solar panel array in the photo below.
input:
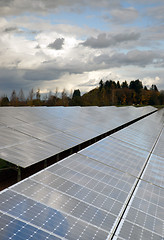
(110, 190)
(144, 216)
(29, 135)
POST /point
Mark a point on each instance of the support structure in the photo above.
(18, 173)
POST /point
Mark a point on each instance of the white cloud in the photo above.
(148, 81)
(37, 52)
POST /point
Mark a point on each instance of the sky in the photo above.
(73, 44)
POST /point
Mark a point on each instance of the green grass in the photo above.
(159, 106)
(142, 105)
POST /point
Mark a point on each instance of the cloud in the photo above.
(104, 41)
(11, 79)
(16, 7)
(32, 32)
(57, 44)
(156, 13)
(135, 58)
(148, 81)
(10, 29)
(122, 15)
(41, 73)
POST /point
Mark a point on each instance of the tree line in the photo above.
(106, 94)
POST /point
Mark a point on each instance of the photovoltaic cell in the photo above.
(47, 219)
(159, 149)
(28, 153)
(154, 172)
(36, 130)
(136, 138)
(14, 229)
(54, 201)
(144, 133)
(144, 216)
(85, 195)
(62, 140)
(62, 127)
(82, 133)
(118, 154)
(9, 138)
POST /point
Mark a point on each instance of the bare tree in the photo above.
(21, 96)
(38, 94)
(31, 97)
(13, 98)
(64, 98)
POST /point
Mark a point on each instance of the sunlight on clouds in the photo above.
(85, 81)
(48, 47)
(148, 81)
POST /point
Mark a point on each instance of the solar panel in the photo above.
(144, 133)
(159, 149)
(154, 172)
(94, 194)
(26, 130)
(28, 153)
(12, 228)
(144, 216)
(79, 192)
(62, 140)
(9, 138)
(118, 154)
(49, 220)
(36, 130)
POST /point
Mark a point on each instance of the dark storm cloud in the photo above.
(57, 44)
(103, 40)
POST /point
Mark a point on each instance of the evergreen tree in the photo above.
(76, 98)
(101, 85)
(118, 84)
(124, 84)
(4, 101)
(136, 85)
(76, 93)
(154, 88)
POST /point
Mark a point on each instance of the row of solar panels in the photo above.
(29, 135)
(144, 216)
(112, 189)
